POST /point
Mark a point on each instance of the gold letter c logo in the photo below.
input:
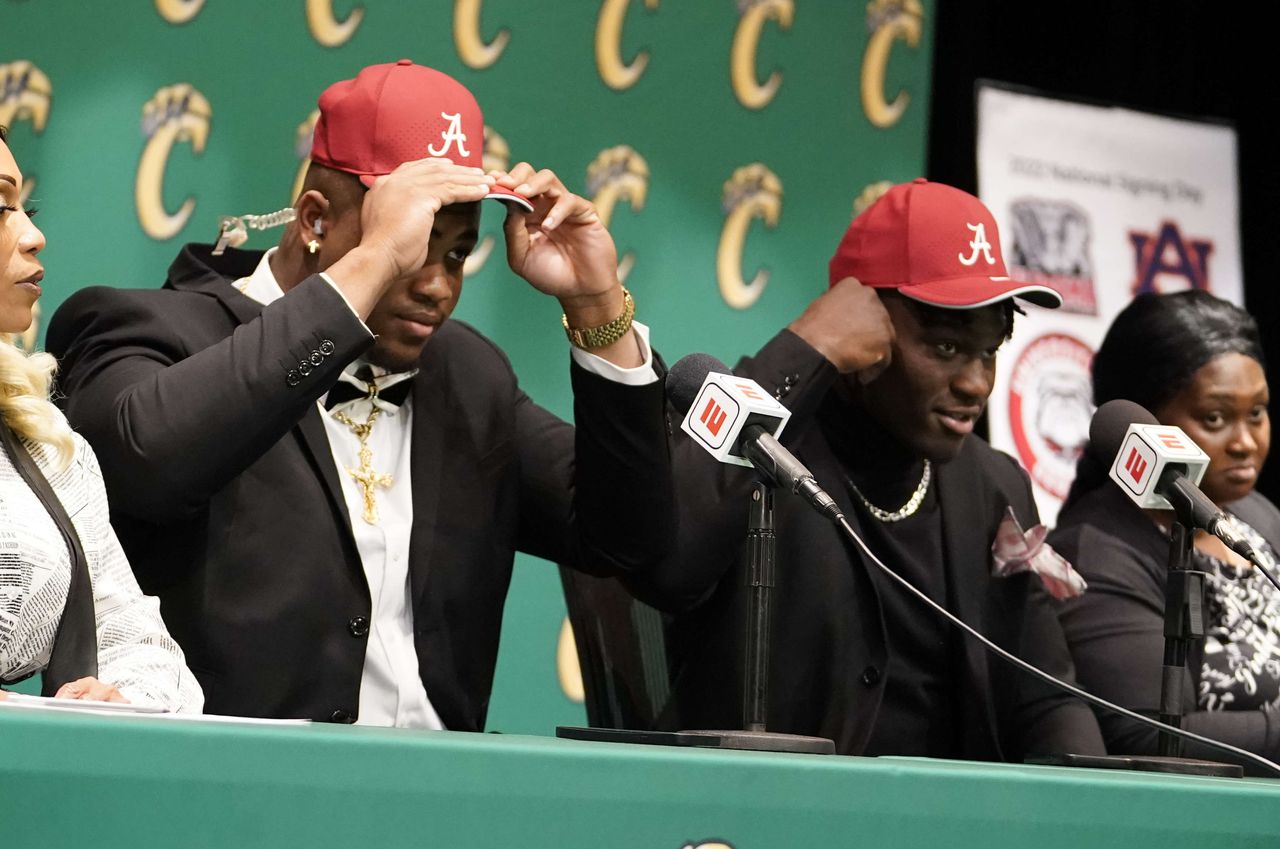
(752, 192)
(617, 74)
(746, 41)
(179, 11)
(618, 173)
(176, 113)
(466, 36)
(889, 21)
(326, 28)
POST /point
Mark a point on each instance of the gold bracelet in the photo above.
(589, 338)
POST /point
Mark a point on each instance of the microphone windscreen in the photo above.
(1111, 423)
(686, 377)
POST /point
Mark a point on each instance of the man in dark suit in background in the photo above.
(322, 478)
(886, 375)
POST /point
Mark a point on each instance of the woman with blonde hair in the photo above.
(70, 607)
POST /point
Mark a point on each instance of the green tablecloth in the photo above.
(86, 781)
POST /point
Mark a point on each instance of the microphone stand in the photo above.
(1183, 626)
(762, 544)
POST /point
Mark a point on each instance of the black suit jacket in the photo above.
(201, 405)
(830, 658)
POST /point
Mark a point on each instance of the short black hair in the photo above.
(1157, 343)
(4, 133)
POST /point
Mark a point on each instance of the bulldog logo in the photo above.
(302, 147)
(472, 49)
(618, 173)
(25, 95)
(497, 157)
(177, 113)
(325, 26)
(752, 16)
(888, 21)
(179, 11)
(616, 73)
(752, 192)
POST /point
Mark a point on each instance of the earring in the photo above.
(313, 247)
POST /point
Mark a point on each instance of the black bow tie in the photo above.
(344, 391)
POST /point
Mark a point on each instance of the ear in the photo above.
(312, 209)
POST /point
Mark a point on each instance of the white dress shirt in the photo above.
(391, 690)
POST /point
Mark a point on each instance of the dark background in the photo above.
(1196, 59)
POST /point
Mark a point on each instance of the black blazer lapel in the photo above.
(429, 399)
(966, 515)
(315, 444)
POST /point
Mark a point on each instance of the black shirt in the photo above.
(916, 716)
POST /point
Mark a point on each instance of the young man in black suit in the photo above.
(325, 480)
(886, 375)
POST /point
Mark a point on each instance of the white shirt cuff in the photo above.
(641, 375)
(335, 288)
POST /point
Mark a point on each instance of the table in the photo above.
(75, 781)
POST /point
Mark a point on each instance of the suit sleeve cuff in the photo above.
(641, 375)
(335, 288)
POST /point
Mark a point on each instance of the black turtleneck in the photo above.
(916, 715)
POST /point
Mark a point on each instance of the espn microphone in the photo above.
(736, 421)
(1159, 467)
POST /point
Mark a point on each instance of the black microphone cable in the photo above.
(1045, 676)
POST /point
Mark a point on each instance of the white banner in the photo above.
(1101, 204)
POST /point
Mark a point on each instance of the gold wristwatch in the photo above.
(590, 338)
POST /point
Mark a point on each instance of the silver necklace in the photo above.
(908, 509)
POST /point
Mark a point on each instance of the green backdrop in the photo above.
(800, 106)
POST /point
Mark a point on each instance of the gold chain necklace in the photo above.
(365, 477)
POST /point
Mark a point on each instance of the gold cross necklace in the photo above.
(365, 477)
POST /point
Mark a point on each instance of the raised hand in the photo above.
(849, 326)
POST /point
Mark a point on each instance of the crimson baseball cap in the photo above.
(395, 113)
(935, 244)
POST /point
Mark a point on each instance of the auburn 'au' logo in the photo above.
(474, 51)
(617, 174)
(176, 113)
(25, 95)
(325, 26)
(497, 157)
(617, 73)
(888, 21)
(179, 11)
(752, 192)
(752, 16)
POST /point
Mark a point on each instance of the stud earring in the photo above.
(313, 247)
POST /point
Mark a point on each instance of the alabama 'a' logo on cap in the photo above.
(978, 246)
(452, 134)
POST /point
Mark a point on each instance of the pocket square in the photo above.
(1015, 550)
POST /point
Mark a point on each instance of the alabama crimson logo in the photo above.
(1050, 406)
(1051, 245)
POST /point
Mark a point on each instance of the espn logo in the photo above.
(714, 413)
(1135, 465)
(713, 416)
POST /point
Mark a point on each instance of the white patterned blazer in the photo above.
(135, 651)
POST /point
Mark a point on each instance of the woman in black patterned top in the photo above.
(1196, 362)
